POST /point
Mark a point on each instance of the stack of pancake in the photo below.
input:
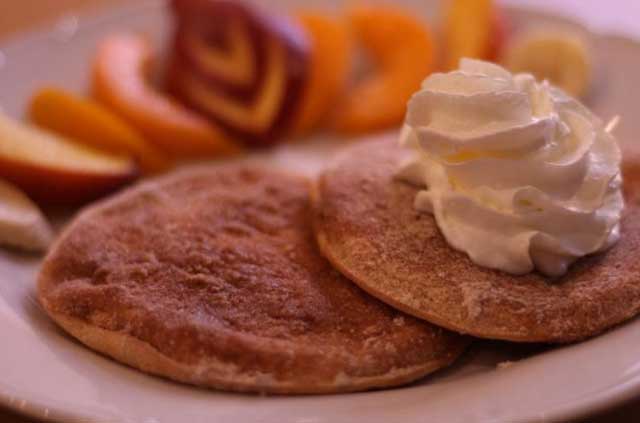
(246, 278)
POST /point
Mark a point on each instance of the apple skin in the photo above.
(210, 21)
(54, 170)
(59, 187)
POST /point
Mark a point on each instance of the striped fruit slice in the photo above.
(240, 67)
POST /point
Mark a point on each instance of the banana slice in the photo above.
(561, 57)
(22, 225)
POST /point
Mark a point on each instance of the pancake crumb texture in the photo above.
(368, 228)
(212, 277)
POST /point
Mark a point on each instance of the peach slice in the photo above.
(54, 170)
(238, 65)
(330, 64)
(120, 83)
(468, 30)
(402, 51)
(89, 122)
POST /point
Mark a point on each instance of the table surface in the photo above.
(619, 16)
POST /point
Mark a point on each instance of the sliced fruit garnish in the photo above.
(401, 49)
(120, 83)
(22, 225)
(468, 30)
(562, 57)
(254, 118)
(500, 31)
(55, 170)
(241, 67)
(330, 65)
(92, 124)
(236, 64)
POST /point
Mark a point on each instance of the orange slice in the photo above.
(402, 51)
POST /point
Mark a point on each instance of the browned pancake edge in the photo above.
(367, 227)
(212, 277)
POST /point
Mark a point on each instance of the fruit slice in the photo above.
(89, 122)
(561, 57)
(241, 67)
(500, 31)
(402, 51)
(22, 225)
(120, 83)
(468, 31)
(330, 64)
(55, 170)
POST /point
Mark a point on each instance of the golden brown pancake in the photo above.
(212, 277)
(367, 227)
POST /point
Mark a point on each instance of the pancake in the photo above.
(212, 277)
(367, 227)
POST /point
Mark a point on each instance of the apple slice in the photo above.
(57, 171)
(22, 225)
(242, 68)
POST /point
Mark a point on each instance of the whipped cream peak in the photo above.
(517, 174)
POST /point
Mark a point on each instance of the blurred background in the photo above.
(613, 15)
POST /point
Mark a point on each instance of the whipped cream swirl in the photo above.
(518, 175)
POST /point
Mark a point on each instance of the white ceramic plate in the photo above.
(45, 373)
